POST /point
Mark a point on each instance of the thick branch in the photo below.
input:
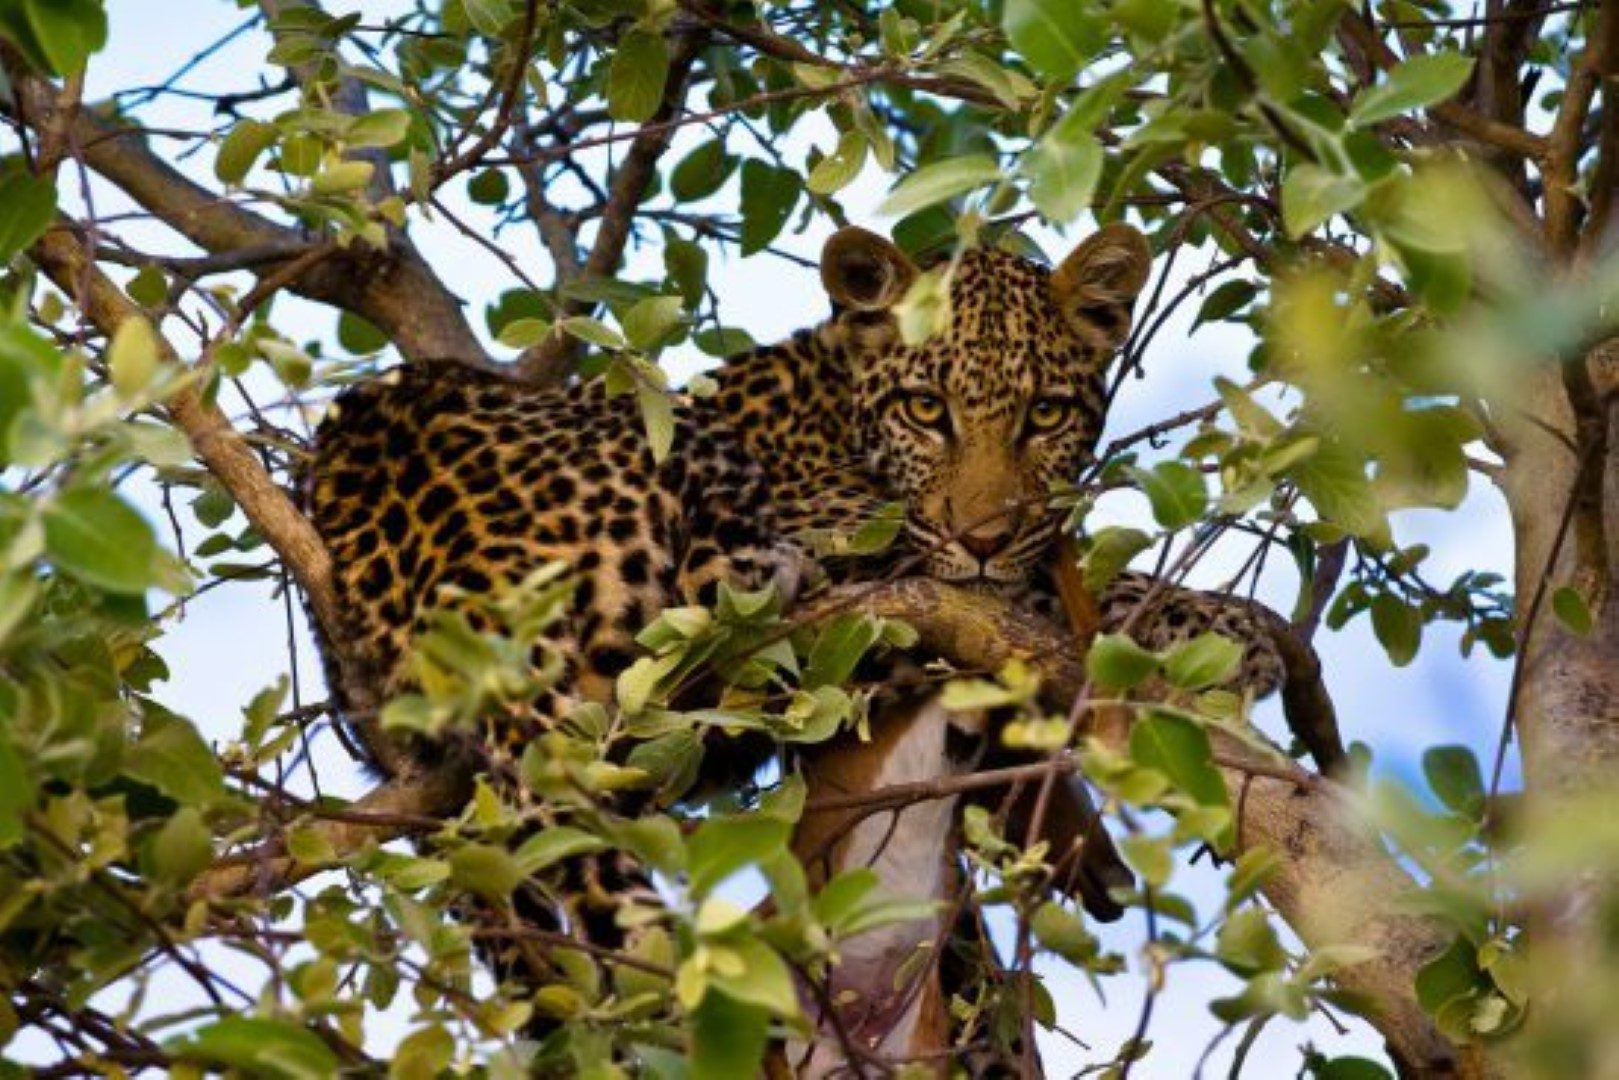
(63, 258)
(394, 289)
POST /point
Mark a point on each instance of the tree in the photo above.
(1412, 205)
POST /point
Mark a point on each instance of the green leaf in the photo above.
(1416, 83)
(16, 794)
(491, 872)
(342, 178)
(650, 321)
(172, 757)
(1206, 660)
(769, 194)
(149, 287)
(260, 1047)
(97, 536)
(1150, 857)
(1454, 775)
(764, 981)
(1064, 933)
(636, 76)
(702, 172)
(592, 331)
(1247, 943)
(523, 333)
(550, 846)
(1349, 1068)
(55, 35)
(1110, 552)
(1398, 626)
(489, 187)
(1117, 662)
(658, 417)
(379, 127)
(1572, 611)
(1311, 195)
(1334, 480)
(1226, 300)
(1057, 37)
(938, 182)
(182, 848)
(838, 649)
(1063, 168)
(422, 1055)
(838, 169)
(241, 148)
(27, 205)
(1179, 748)
(132, 357)
(1451, 975)
(724, 845)
(489, 17)
(359, 335)
(18, 591)
(728, 1039)
(1175, 490)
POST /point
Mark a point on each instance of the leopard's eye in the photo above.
(1050, 413)
(924, 409)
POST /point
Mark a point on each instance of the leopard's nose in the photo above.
(987, 541)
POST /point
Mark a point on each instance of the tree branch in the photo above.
(394, 289)
(551, 360)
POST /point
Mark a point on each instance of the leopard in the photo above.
(437, 480)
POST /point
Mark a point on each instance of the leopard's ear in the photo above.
(1096, 286)
(863, 271)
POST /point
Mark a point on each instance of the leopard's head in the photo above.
(975, 425)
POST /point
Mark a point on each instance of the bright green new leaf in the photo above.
(1110, 551)
(380, 127)
(1416, 83)
(1247, 943)
(652, 320)
(341, 178)
(1150, 857)
(658, 417)
(182, 848)
(1176, 492)
(491, 872)
(1206, 660)
(1117, 662)
(636, 76)
(838, 169)
(724, 845)
(27, 205)
(97, 536)
(1311, 195)
(550, 846)
(1057, 37)
(1063, 168)
(939, 182)
(132, 356)
(1179, 748)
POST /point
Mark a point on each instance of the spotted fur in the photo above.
(436, 479)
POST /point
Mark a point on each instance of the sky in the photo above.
(232, 642)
